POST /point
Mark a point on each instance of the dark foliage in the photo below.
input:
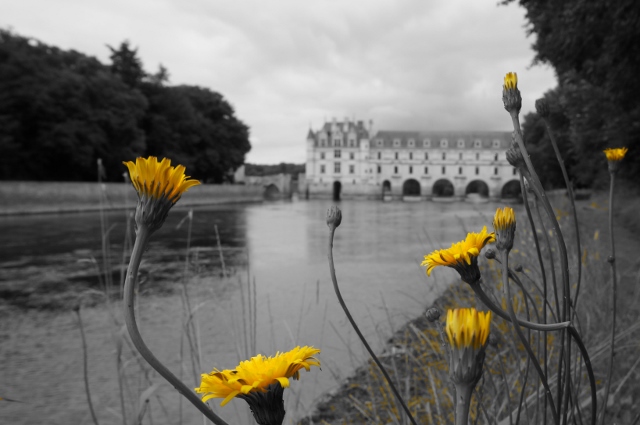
(61, 111)
(594, 47)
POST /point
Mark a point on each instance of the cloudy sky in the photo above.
(286, 65)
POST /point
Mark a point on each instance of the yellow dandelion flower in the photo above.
(467, 331)
(257, 375)
(462, 256)
(615, 154)
(510, 94)
(504, 224)
(510, 81)
(159, 187)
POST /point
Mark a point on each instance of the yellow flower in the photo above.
(467, 331)
(510, 93)
(510, 81)
(615, 154)
(257, 375)
(467, 327)
(462, 256)
(504, 224)
(159, 187)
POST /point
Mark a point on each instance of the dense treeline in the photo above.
(267, 170)
(594, 47)
(61, 111)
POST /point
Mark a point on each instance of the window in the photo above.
(379, 142)
(337, 142)
(379, 169)
(426, 170)
(323, 141)
(444, 155)
(396, 143)
(460, 143)
(426, 143)
(352, 155)
(410, 170)
(496, 143)
(515, 171)
(477, 157)
(410, 155)
(336, 153)
(411, 143)
(495, 157)
(477, 143)
(460, 170)
(322, 169)
(336, 167)
(395, 170)
(444, 170)
(495, 171)
(321, 155)
(352, 169)
(396, 155)
(379, 155)
(477, 170)
(444, 143)
(352, 142)
(426, 155)
(460, 155)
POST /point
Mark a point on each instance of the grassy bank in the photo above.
(417, 362)
(57, 197)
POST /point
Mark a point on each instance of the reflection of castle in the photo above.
(348, 159)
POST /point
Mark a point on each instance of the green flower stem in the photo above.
(564, 261)
(463, 402)
(523, 339)
(572, 203)
(142, 238)
(614, 296)
(332, 269)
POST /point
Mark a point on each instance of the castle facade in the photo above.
(349, 159)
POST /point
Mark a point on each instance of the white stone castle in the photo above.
(349, 160)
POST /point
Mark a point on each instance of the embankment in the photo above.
(56, 197)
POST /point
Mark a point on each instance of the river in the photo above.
(280, 246)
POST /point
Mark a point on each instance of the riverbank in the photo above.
(18, 198)
(414, 357)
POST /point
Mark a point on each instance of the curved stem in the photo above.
(142, 237)
(614, 296)
(572, 203)
(332, 269)
(523, 339)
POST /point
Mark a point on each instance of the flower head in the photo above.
(614, 156)
(159, 187)
(461, 256)
(510, 93)
(504, 224)
(257, 375)
(467, 331)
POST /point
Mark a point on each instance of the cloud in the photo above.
(285, 65)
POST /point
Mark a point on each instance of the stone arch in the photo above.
(386, 187)
(443, 188)
(337, 189)
(479, 187)
(411, 187)
(272, 191)
(511, 189)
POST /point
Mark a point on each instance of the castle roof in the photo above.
(436, 139)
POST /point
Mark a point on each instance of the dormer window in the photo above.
(444, 143)
(426, 143)
(460, 143)
(496, 143)
(477, 143)
(396, 143)
(379, 142)
(323, 141)
(411, 143)
(352, 142)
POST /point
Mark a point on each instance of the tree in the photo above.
(594, 47)
(126, 64)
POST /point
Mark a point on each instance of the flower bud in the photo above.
(542, 108)
(334, 217)
(433, 314)
(490, 254)
(614, 156)
(504, 224)
(510, 94)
